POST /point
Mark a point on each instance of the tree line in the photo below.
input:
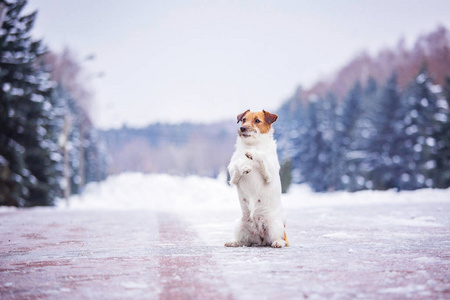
(48, 145)
(375, 137)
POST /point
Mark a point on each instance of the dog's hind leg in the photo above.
(232, 244)
(244, 235)
(275, 234)
(280, 243)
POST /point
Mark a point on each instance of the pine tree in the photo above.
(95, 157)
(366, 128)
(286, 176)
(387, 143)
(28, 156)
(421, 128)
(348, 140)
(316, 152)
(442, 137)
(328, 152)
(289, 134)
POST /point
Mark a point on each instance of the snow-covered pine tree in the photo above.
(421, 126)
(289, 131)
(328, 153)
(28, 156)
(95, 157)
(80, 144)
(442, 137)
(74, 144)
(366, 131)
(387, 143)
(315, 152)
(348, 140)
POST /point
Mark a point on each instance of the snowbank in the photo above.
(302, 195)
(131, 191)
(136, 191)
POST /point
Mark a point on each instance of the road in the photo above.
(378, 251)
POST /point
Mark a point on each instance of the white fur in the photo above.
(254, 169)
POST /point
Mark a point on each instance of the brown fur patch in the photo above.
(240, 116)
(286, 239)
(270, 118)
(253, 120)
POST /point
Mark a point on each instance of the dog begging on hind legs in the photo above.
(254, 169)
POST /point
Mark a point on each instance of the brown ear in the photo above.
(240, 116)
(269, 118)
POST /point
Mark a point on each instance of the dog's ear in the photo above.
(240, 116)
(269, 118)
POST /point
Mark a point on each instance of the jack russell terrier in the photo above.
(254, 169)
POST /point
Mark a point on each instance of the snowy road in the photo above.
(344, 246)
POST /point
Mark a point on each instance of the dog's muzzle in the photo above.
(244, 131)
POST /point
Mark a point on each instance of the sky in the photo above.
(208, 61)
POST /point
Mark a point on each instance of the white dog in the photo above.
(254, 169)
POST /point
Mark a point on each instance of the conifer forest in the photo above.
(390, 129)
(49, 148)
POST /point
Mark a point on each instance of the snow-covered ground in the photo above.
(211, 206)
(336, 238)
(141, 236)
(130, 191)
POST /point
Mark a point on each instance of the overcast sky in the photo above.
(206, 61)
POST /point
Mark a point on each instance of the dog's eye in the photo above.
(243, 120)
(257, 121)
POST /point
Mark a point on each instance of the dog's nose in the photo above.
(243, 129)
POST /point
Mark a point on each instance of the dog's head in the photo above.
(255, 124)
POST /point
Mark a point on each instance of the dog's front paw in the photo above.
(231, 244)
(246, 169)
(235, 178)
(279, 244)
(250, 154)
(268, 178)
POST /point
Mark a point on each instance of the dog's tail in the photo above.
(285, 238)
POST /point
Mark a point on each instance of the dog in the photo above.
(254, 169)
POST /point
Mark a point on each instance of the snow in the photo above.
(404, 290)
(130, 191)
(424, 102)
(421, 78)
(411, 129)
(134, 285)
(414, 114)
(442, 103)
(16, 92)
(431, 141)
(3, 161)
(441, 117)
(417, 148)
(6, 87)
(143, 235)
(37, 98)
(47, 106)
(435, 88)
(340, 235)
